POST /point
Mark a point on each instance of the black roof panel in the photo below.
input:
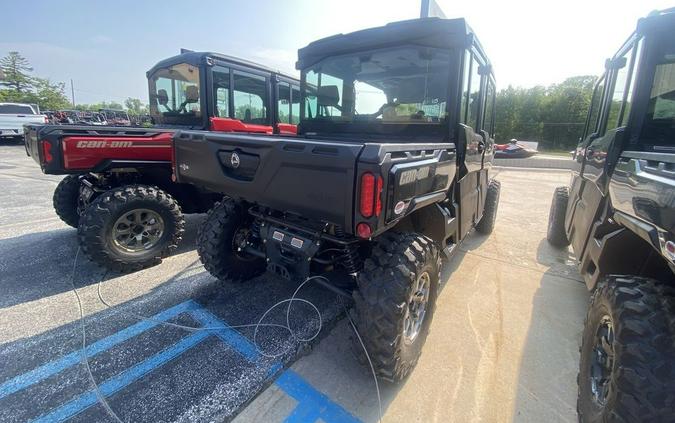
(197, 58)
(432, 32)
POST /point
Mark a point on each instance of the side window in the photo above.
(221, 91)
(474, 97)
(295, 104)
(635, 64)
(465, 87)
(615, 101)
(659, 124)
(594, 111)
(284, 102)
(488, 116)
(250, 98)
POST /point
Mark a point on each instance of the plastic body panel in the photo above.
(78, 149)
(314, 179)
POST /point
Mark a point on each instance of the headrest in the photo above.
(328, 96)
(162, 97)
(191, 94)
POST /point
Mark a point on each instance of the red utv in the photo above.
(119, 191)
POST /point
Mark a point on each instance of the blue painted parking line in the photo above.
(312, 404)
(125, 378)
(50, 369)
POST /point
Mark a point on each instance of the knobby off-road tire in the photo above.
(65, 199)
(555, 233)
(386, 287)
(641, 383)
(111, 229)
(216, 244)
(487, 222)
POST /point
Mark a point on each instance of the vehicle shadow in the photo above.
(40, 264)
(546, 385)
(214, 368)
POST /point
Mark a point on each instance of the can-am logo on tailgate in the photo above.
(103, 144)
(412, 175)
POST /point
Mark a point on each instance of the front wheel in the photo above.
(627, 363)
(487, 223)
(395, 301)
(555, 232)
(131, 227)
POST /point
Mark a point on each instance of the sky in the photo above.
(106, 47)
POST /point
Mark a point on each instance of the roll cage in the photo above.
(220, 81)
(453, 36)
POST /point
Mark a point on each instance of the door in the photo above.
(589, 191)
(287, 107)
(473, 141)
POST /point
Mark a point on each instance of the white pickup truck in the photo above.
(13, 116)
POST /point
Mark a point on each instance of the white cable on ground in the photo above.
(83, 350)
(256, 326)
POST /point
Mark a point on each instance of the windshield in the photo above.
(16, 109)
(174, 95)
(400, 85)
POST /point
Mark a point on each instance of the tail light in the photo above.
(47, 151)
(371, 195)
(46, 119)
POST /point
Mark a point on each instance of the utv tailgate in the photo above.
(311, 178)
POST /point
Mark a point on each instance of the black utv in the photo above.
(390, 170)
(619, 216)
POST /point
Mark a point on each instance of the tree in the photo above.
(51, 96)
(135, 106)
(15, 69)
(554, 115)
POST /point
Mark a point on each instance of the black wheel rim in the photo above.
(602, 361)
(240, 241)
(416, 308)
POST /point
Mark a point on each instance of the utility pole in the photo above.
(72, 91)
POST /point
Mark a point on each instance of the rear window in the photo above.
(16, 109)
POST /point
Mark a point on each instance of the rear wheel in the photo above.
(627, 363)
(395, 301)
(221, 240)
(131, 227)
(65, 200)
(487, 222)
(556, 218)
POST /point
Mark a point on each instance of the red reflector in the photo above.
(378, 198)
(367, 194)
(363, 230)
(47, 151)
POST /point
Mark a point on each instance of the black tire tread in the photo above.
(213, 244)
(644, 350)
(65, 200)
(487, 223)
(94, 219)
(555, 233)
(382, 295)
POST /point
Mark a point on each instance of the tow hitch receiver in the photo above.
(288, 254)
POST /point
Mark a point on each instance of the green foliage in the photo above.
(24, 88)
(136, 106)
(553, 115)
(94, 107)
(15, 72)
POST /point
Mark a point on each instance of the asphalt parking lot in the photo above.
(503, 343)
